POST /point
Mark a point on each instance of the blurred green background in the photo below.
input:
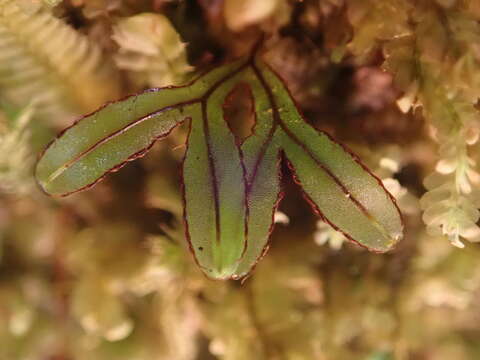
(106, 273)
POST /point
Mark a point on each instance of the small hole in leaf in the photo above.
(200, 248)
(238, 111)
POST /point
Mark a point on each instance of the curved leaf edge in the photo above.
(141, 152)
(206, 271)
(249, 180)
(281, 155)
(352, 155)
(320, 215)
(266, 247)
(203, 101)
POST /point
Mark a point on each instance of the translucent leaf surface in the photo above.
(231, 190)
(334, 181)
(213, 170)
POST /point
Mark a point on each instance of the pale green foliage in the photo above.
(375, 21)
(16, 159)
(240, 14)
(433, 56)
(44, 59)
(102, 280)
(109, 278)
(449, 103)
(259, 332)
(152, 50)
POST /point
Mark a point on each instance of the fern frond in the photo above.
(16, 160)
(386, 162)
(44, 59)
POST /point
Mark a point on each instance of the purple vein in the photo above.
(211, 160)
(118, 132)
(279, 120)
(269, 137)
(102, 141)
(213, 175)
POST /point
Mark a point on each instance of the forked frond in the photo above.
(231, 190)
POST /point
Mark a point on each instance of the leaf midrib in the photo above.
(278, 120)
(202, 99)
